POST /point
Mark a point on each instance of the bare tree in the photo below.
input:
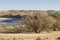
(38, 22)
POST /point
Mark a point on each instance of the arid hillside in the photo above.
(33, 21)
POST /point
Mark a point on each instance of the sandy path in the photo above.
(50, 36)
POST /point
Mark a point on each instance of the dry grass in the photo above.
(20, 36)
(13, 13)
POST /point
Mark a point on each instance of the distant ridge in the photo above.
(28, 10)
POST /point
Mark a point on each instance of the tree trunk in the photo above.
(35, 31)
(54, 27)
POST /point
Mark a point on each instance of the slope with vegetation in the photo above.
(33, 21)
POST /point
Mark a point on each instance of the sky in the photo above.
(29, 4)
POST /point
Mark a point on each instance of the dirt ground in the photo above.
(43, 36)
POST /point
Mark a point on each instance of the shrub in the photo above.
(2, 39)
(38, 38)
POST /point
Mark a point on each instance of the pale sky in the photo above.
(30, 4)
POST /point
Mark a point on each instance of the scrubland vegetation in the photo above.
(33, 21)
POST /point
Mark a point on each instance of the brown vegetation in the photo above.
(35, 21)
